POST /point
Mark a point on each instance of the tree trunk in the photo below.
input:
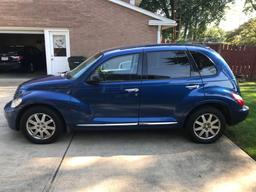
(185, 31)
(190, 31)
(173, 18)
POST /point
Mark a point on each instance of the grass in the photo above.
(244, 134)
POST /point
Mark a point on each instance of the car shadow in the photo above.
(131, 142)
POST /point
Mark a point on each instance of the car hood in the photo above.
(47, 82)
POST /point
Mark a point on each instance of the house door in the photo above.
(59, 51)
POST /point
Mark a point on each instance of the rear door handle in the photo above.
(132, 90)
(196, 86)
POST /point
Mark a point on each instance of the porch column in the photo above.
(159, 35)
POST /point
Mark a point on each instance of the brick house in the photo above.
(81, 27)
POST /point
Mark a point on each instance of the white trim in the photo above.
(21, 32)
(28, 30)
(126, 124)
(157, 22)
(159, 35)
(165, 20)
(158, 123)
(47, 51)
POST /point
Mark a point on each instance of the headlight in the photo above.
(16, 102)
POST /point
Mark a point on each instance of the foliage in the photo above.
(244, 35)
(192, 16)
(213, 34)
(244, 134)
(250, 6)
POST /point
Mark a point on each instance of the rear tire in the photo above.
(41, 125)
(206, 125)
(31, 67)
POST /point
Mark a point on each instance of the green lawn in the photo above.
(244, 134)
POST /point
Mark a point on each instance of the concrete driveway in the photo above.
(120, 161)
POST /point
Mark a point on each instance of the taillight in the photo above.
(238, 99)
(17, 58)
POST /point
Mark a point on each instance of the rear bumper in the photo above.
(10, 65)
(240, 115)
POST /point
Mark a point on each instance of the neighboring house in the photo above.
(78, 27)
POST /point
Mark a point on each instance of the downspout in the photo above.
(159, 31)
(132, 2)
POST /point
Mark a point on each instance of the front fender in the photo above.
(72, 110)
(57, 100)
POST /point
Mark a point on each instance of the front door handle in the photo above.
(132, 90)
(196, 86)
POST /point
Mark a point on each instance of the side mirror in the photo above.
(94, 79)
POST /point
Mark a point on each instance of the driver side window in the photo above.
(121, 68)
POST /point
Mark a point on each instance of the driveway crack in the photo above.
(48, 187)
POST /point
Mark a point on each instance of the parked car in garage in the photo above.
(24, 58)
(154, 86)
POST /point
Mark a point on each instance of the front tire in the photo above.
(206, 125)
(41, 125)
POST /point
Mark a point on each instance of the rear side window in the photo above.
(168, 65)
(205, 65)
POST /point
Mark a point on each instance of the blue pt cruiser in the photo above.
(150, 86)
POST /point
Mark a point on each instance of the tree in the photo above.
(162, 7)
(250, 6)
(192, 16)
(244, 35)
(214, 34)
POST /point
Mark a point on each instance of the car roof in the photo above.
(149, 47)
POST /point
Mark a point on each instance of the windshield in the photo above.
(80, 69)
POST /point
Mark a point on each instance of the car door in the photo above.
(114, 99)
(170, 87)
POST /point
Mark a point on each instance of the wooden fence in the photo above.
(241, 59)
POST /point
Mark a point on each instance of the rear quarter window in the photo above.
(205, 65)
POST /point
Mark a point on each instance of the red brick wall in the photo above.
(94, 24)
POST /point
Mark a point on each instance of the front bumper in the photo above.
(240, 115)
(11, 115)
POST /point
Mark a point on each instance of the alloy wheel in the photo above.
(40, 126)
(207, 126)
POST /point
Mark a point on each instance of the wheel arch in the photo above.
(66, 129)
(223, 108)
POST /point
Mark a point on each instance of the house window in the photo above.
(59, 45)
